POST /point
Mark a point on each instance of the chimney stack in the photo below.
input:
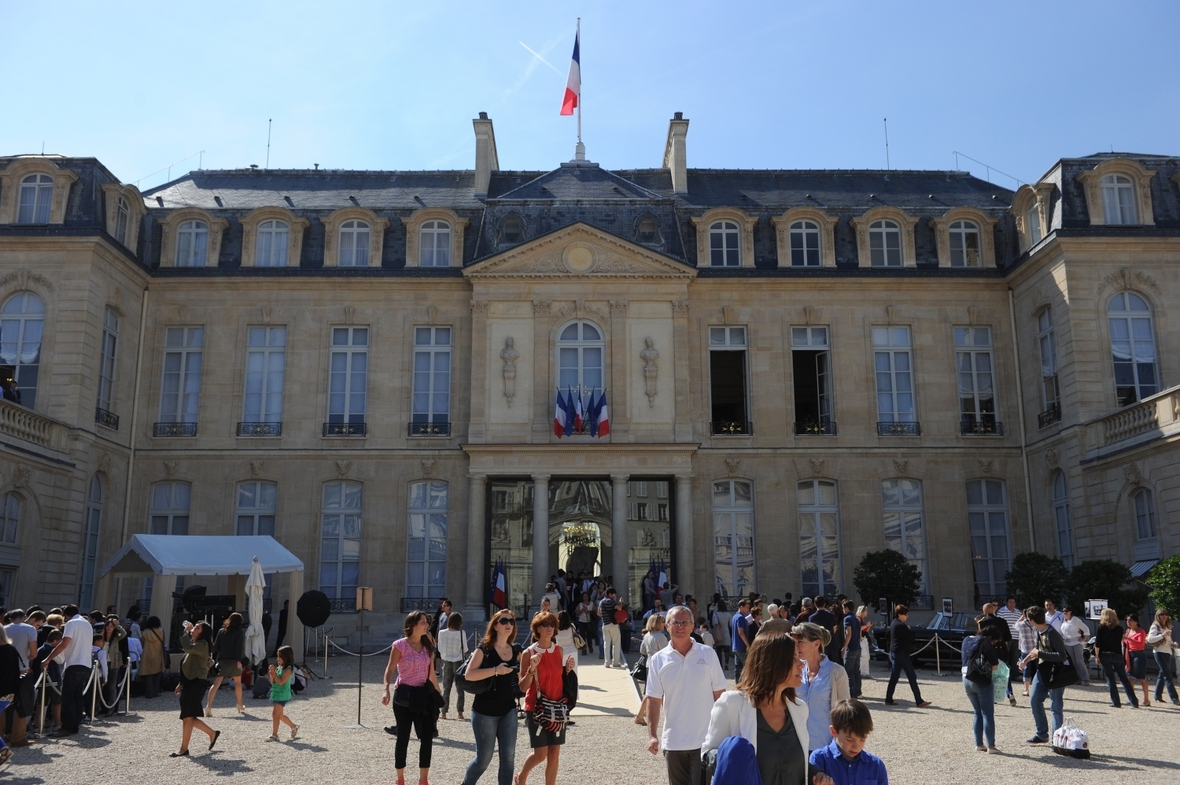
(486, 161)
(676, 154)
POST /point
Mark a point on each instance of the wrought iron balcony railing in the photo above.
(1049, 416)
(346, 429)
(343, 606)
(969, 426)
(106, 419)
(260, 429)
(899, 429)
(419, 604)
(429, 429)
(174, 429)
(822, 428)
(731, 428)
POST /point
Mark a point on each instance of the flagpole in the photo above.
(579, 39)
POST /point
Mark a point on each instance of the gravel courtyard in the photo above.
(932, 745)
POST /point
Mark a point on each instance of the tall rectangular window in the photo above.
(266, 357)
(90, 543)
(432, 381)
(1062, 519)
(819, 538)
(987, 516)
(426, 543)
(977, 394)
(727, 380)
(169, 511)
(340, 543)
(893, 364)
(811, 363)
(256, 508)
(9, 518)
(348, 377)
(1050, 392)
(182, 374)
(1146, 537)
(733, 537)
(905, 530)
(106, 362)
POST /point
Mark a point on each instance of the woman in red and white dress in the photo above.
(543, 667)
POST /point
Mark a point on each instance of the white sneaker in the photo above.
(272, 738)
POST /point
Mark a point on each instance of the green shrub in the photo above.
(1034, 578)
(1164, 580)
(886, 574)
(1104, 579)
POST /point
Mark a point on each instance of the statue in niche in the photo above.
(649, 355)
(646, 538)
(509, 355)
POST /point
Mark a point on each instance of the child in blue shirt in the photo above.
(845, 759)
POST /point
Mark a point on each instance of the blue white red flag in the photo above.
(499, 590)
(573, 83)
(559, 416)
(603, 417)
(579, 415)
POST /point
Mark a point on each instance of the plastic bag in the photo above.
(1071, 740)
(1000, 683)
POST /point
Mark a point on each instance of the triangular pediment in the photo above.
(579, 251)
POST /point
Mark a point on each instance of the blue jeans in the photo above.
(488, 732)
(1113, 667)
(852, 665)
(1037, 703)
(983, 702)
(1165, 662)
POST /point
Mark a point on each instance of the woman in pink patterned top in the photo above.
(414, 702)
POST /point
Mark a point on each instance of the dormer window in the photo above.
(511, 231)
(724, 244)
(354, 244)
(805, 244)
(434, 244)
(1032, 220)
(649, 231)
(1118, 200)
(884, 244)
(192, 241)
(36, 193)
(273, 240)
(965, 244)
(122, 221)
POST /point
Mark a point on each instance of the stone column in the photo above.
(685, 569)
(540, 537)
(620, 539)
(475, 608)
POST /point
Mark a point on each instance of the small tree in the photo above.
(1035, 577)
(1164, 580)
(1104, 579)
(886, 574)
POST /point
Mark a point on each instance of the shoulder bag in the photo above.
(472, 687)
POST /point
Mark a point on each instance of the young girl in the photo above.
(280, 692)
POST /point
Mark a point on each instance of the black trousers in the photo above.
(73, 701)
(901, 662)
(424, 726)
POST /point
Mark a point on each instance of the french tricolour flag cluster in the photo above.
(570, 417)
(499, 595)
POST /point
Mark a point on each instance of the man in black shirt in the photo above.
(901, 644)
(826, 619)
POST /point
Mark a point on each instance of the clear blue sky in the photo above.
(766, 85)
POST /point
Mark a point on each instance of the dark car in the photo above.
(951, 628)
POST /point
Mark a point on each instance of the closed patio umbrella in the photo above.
(255, 638)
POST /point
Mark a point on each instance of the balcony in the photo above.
(899, 429)
(260, 429)
(1049, 416)
(731, 428)
(348, 429)
(426, 604)
(1155, 417)
(969, 426)
(824, 428)
(106, 419)
(174, 429)
(429, 429)
(343, 606)
(27, 425)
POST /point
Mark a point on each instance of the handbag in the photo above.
(569, 683)
(549, 714)
(1071, 740)
(579, 641)
(471, 687)
(639, 669)
(979, 670)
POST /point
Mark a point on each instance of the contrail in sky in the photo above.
(542, 59)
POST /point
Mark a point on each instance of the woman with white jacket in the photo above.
(764, 711)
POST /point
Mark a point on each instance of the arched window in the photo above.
(192, 243)
(1132, 344)
(724, 244)
(122, 222)
(256, 508)
(1146, 536)
(434, 244)
(819, 538)
(273, 239)
(987, 518)
(426, 539)
(36, 192)
(1118, 200)
(340, 542)
(511, 231)
(579, 358)
(1062, 519)
(885, 244)
(733, 537)
(648, 231)
(9, 518)
(169, 512)
(1032, 220)
(90, 543)
(354, 244)
(22, 321)
(905, 529)
(805, 244)
(964, 244)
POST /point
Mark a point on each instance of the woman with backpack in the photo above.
(979, 659)
(543, 666)
(493, 711)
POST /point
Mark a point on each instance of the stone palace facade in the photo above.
(799, 367)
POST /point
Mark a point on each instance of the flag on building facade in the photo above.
(573, 83)
(559, 416)
(603, 417)
(499, 590)
(579, 415)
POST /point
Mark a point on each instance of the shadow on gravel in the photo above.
(222, 767)
(440, 741)
(1100, 763)
(297, 744)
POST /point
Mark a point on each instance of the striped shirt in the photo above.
(1027, 635)
(1010, 616)
(452, 645)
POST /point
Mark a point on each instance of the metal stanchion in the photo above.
(44, 689)
(95, 687)
(937, 655)
(127, 687)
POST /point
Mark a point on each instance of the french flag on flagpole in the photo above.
(603, 416)
(573, 83)
(499, 592)
(559, 416)
(579, 418)
(567, 412)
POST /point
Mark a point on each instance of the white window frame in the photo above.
(1119, 200)
(106, 362)
(805, 244)
(725, 244)
(1032, 220)
(581, 359)
(814, 542)
(89, 567)
(1047, 341)
(122, 220)
(976, 378)
(183, 357)
(817, 338)
(172, 515)
(192, 244)
(434, 244)
(272, 243)
(431, 392)
(355, 237)
(1062, 519)
(733, 537)
(885, 247)
(1146, 530)
(1134, 327)
(909, 518)
(254, 513)
(36, 197)
(10, 510)
(966, 243)
(991, 549)
(348, 367)
(426, 538)
(22, 322)
(893, 361)
(266, 359)
(341, 510)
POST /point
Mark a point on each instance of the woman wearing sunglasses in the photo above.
(493, 713)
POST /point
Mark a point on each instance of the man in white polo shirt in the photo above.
(687, 676)
(74, 650)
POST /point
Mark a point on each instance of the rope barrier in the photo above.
(358, 654)
(118, 697)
